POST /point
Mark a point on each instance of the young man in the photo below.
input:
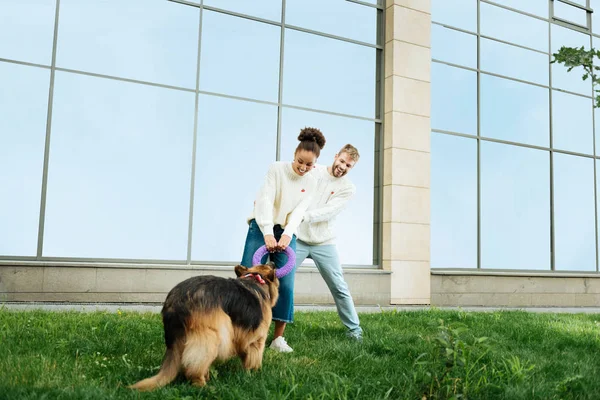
(315, 233)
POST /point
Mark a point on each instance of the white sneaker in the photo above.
(280, 345)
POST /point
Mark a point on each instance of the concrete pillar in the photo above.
(407, 143)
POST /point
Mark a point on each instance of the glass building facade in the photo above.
(141, 130)
(514, 178)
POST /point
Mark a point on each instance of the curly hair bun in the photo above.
(312, 135)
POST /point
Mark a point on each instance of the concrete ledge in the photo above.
(514, 290)
(92, 283)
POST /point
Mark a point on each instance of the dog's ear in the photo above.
(240, 270)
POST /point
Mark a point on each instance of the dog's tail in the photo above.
(167, 373)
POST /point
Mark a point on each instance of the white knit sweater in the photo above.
(331, 197)
(283, 199)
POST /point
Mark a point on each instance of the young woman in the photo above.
(278, 210)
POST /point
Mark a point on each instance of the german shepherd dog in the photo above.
(208, 318)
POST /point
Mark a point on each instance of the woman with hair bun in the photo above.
(278, 210)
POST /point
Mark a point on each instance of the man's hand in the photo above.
(271, 243)
(284, 242)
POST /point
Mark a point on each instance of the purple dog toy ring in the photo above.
(279, 272)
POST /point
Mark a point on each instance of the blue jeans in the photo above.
(327, 261)
(284, 309)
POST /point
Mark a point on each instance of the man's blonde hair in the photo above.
(351, 151)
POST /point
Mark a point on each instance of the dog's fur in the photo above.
(207, 318)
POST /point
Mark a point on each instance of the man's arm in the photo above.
(334, 206)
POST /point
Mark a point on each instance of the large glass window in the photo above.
(164, 118)
(240, 57)
(458, 13)
(515, 207)
(499, 58)
(453, 99)
(572, 125)
(236, 143)
(524, 30)
(267, 9)
(336, 17)
(119, 173)
(23, 113)
(514, 111)
(147, 40)
(575, 238)
(570, 13)
(462, 52)
(27, 30)
(535, 7)
(312, 78)
(595, 5)
(453, 202)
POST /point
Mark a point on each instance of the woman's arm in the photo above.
(263, 206)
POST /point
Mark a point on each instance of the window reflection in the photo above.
(240, 57)
(458, 13)
(148, 40)
(573, 213)
(453, 46)
(336, 17)
(23, 111)
(453, 99)
(312, 78)
(453, 201)
(235, 145)
(120, 170)
(354, 226)
(572, 126)
(500, 58)
(27, 30)
(514, 111)
(515, 207)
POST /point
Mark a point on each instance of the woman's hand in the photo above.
(284, 242)
(271, 243)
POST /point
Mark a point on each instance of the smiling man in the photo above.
(316, 239)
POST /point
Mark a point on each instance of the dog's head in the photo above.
(264, 271)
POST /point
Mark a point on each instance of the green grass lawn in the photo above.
(404, 355)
